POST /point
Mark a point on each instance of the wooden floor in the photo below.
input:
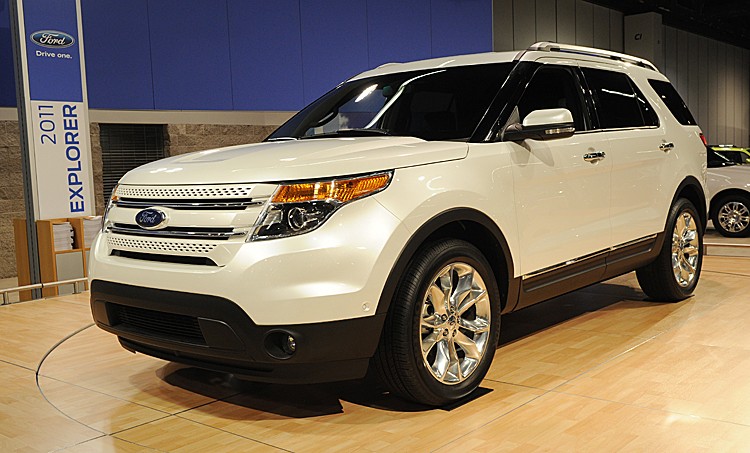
(597, 370)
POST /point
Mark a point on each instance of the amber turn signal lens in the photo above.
(342, 190)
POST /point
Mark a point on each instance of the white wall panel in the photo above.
(546, 21)
(670, 54)
(693, 71)
(729, 103)
(524, 23)
(721, 69)
(566, 21)
(584, 23)
(502, 25)
(682, 65)
(601, 27)
(703, 98)
(745, 120)
(712, 134)
(616, 39)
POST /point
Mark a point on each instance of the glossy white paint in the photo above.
(294, 159)
(321, 276)
(562, 201)
(644, 177)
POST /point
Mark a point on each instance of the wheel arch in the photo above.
(461, 223)
(692, 189)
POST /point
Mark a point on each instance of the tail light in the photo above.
(703, 139)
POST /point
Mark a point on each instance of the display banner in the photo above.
(56, 107)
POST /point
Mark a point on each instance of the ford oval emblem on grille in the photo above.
(151, 219)
(52, 38)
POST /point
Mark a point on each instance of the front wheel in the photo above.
(675, 272)
(442, 327)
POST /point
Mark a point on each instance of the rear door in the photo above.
(639, 154)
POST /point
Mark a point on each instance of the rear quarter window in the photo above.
(673, 101)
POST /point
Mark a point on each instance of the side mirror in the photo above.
(542, 125)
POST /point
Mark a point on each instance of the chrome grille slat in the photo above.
(193, 204)
(195, 233)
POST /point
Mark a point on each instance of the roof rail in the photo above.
(568, 48)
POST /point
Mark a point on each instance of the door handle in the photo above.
(666, 147)
(596, 156)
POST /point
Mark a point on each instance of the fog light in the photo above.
(290, 345)
(280, 345)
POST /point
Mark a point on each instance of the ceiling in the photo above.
(724, 20)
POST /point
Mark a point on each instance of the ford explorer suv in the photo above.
(389, 224)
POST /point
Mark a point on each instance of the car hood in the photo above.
(294, 160)
(732, 176)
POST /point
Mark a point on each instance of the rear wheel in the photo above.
(731, 218)
(442, 327)
(675, 272)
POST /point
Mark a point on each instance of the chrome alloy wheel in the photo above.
(734, 217)
(685, 249)
(455, 323)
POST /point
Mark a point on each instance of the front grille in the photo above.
(151, 323)
(208, 223)
(155, 245)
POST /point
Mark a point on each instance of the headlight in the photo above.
(112, 200)
(301, 207)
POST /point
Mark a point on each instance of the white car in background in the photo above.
(729, 188)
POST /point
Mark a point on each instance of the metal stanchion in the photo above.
(38, 286)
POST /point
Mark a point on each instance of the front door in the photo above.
(562, 194)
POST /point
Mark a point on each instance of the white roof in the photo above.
(533, 52)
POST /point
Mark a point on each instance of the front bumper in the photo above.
(215, 333)
(334, 273)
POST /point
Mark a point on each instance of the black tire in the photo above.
(659, 280)
(399, 362)
(731, 216)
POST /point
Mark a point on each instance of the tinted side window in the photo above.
(674, 102)
(553, 88)
(650, 118)
(616, 103)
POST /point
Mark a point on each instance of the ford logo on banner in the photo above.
(52, 38)
(151, 219)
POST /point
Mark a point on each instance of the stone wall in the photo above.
(96, 164)
(11, 194)
(186, 138)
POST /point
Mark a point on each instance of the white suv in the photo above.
(391, 222)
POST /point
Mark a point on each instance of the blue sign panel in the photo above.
(52, 50)
(55, 112)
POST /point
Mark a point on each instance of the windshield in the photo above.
(434, 104)
(717, 159)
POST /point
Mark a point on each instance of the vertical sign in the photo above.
(55, 108)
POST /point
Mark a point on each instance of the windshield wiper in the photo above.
(350, 133)
(280, 139)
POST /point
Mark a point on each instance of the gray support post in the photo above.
(28, 191)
